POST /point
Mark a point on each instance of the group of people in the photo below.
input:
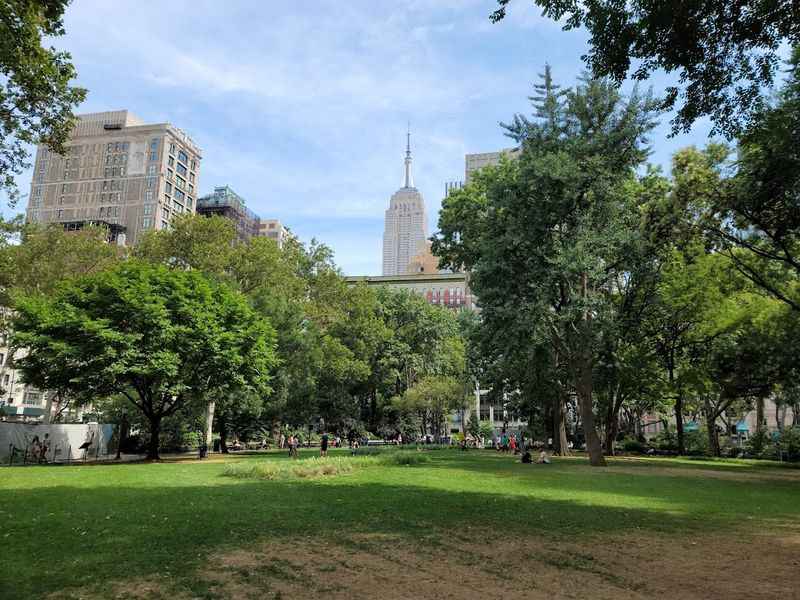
(40, 448)
(544, 458)
(509, 443)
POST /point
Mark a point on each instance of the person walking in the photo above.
(323, 446)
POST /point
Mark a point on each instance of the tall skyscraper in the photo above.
(406, 225)
(119, 172)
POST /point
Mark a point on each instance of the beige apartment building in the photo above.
(273, 229)
(475, 162)
(119, 172)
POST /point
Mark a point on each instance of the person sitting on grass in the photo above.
(527, 458)
(544, 459)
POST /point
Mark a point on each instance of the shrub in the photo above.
(312, 468)
(696, 442)
(633, 445)
(758, 444)
(409, 458)
(790, 443)
(666, 440)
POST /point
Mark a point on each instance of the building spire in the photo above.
(409, 183)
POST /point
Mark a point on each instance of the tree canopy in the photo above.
(36, 95)
(163, 339)
(724, 54)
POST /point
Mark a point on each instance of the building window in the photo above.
(191, 188)
(154, 144)
(181, 169)
(191, 177)
(32, 398)
(169, 188)
(154, 156)
(183, 157)
(151, 183)
(180, 182)
(171, 161)
(151, 169)
(167, 200)
(169, 174)
(189, 202)
(148, 195)
(194, 165)
(164, 224)
(148, 209)
(147, 223)
(172, 148)
(179, 195)
(60, 213)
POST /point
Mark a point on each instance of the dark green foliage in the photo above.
(549, 236)
(36, 98)
(163, 339)
(724, 53)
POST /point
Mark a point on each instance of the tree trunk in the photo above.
(48, 408)
(155, 431)
(373, 410)
(584, 386)
(612, 422)
(209, 423)
(560, 443)
(780, 416)
(760, 421)
(711, 426)
(223, 435)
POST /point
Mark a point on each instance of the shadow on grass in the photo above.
(67, 536)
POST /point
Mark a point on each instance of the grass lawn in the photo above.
(462, 525)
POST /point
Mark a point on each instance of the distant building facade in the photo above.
(224, 202)
(274, 230)
(406, 224)
(450, 290)
(119, 172)
(424, 261)
(475, 162)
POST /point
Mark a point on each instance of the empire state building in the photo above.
(406, 225)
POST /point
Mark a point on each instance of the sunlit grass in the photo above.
(114, 522)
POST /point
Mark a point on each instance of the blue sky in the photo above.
(302, 106)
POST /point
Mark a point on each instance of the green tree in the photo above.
(163, 339)
(725, 54)
(36, 98)
(549, 234)
(46, 256)
(753, 215)
(432, 399)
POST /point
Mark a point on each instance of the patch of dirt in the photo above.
(728, 474)
(628, 566)
(133, 589)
